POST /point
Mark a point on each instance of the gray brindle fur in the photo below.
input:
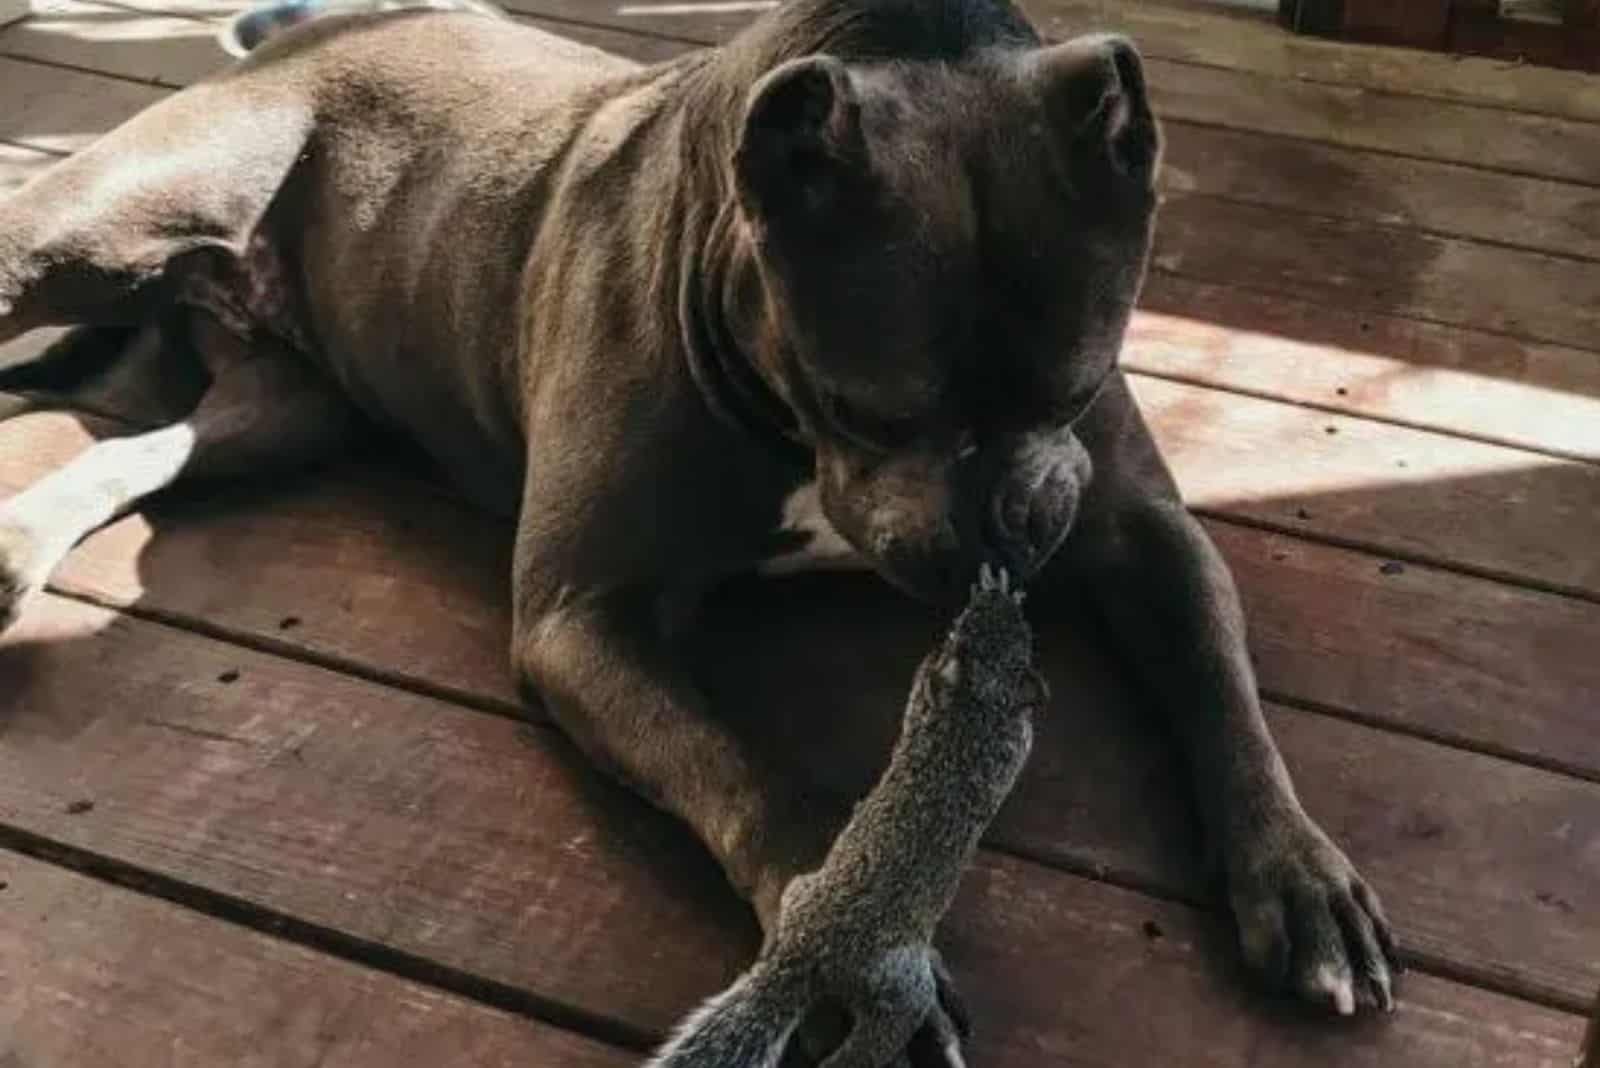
(875, 256)
(860, 928)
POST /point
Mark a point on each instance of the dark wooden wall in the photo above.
(1472, 27)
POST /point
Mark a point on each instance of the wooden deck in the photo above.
(266, 797)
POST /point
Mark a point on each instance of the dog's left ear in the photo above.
(1093, 88)
(801, 142)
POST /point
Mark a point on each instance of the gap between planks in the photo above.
(1136, 369)
(164, 980)
(329, 941)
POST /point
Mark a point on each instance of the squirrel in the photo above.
(859, 929)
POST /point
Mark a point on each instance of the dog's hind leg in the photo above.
(265, 409)
(125, 374)
(88, 240)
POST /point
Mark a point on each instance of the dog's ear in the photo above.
(1093, 88)
(801, 143)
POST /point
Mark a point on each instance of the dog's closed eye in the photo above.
(876, 431)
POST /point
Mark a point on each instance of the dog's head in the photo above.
(948, 256)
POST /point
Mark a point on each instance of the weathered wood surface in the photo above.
(1365, 268)
(94, 976)
(455, 837)
(1100, 793)
(1465, 382)
(485, 847)
(1104, 793)
(57, 110)
(1207, 34)
(1443, 199)
(1495, 511)
(1485, 665)
(333, 568)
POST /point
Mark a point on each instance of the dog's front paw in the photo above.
(1308, 922)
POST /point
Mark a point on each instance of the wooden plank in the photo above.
(336, 568)
(1479, 507)
(449, 834)
(1381, 270)
(57, 110)
(1487, 386)
(156, 49)
(1485, 665)
(1441, 198)
(1175, 1022)
(18, 164)
(433, 830)
(95, 976)
(323, 569)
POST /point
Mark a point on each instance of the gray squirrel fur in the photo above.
(859, 929)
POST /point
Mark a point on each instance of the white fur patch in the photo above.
(825, 548)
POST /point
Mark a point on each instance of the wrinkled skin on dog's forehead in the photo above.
(950, 254)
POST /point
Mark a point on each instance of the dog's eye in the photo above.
(869, 428)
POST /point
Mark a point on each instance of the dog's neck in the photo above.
(725, 314)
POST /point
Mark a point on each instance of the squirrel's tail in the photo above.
(746, 1026)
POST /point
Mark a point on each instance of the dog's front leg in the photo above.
(605, 675)
(1307, 921)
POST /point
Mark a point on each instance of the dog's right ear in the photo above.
(801, 144)
(1093, 87)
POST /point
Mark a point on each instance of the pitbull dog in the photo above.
(850, 288)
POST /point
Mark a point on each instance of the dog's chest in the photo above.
(808, 542)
